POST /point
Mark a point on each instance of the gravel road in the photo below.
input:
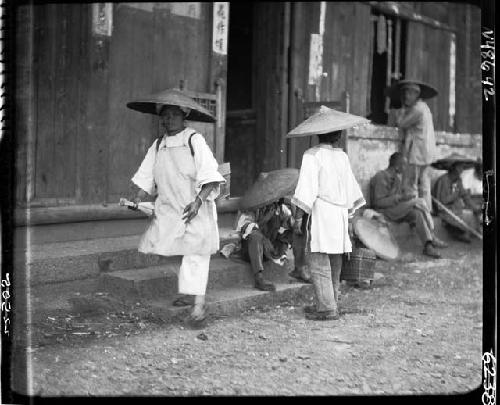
(416, 330)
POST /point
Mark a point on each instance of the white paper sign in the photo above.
(220, 27)
(316, 58)
(102, 18)
(188, 9)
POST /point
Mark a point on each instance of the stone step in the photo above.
(77, 260)
(161, 281)
(235, 300)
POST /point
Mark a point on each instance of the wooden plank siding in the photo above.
(25, 97)
(57, 59)
(346, 61)
(428, 59)
(267, 68)
(151, 67)
(79, 143)
(468, 88)
(131, 61)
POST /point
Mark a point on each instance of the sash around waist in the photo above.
(333, 203)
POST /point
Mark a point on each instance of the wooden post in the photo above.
(95, 165)
(218, 80)
(220, 128)
(389, 62)
(397, 46)
(25, 121)
(293, 56)
(284, 85)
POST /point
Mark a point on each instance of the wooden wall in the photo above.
(468, 117)
(161, 50)
(269, 77)
(346, 60)
(428, 59)
(78, 143)
(465, 21)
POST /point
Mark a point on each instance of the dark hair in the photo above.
(395, 157)
(330, 137)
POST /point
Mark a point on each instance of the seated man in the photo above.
(388, 198)
(266, 234)
(449, 190)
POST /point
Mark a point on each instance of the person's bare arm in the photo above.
(410, 118)
(136, 194)
(192, 208)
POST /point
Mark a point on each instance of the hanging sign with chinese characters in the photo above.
(220, 27)
(102, 18)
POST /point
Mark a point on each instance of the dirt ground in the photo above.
(416, 330)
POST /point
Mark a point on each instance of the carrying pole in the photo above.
(458, 219)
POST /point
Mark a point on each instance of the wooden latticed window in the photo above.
(206, 100)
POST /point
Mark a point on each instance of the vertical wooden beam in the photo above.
(284, 76)
(81, 106)
(397, 46)
(25, 95)
(293, 54)
(218, 85)
(97, 139)
(389, 62)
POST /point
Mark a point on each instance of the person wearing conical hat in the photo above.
(414, 120)
(180, 170)
(266, 234)
(265, 225)
(329, 193)
(448, 189)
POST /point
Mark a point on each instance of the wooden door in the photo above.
(165, 49)
(428, 59)
(270, 92)
(59, 32)
(341, 67)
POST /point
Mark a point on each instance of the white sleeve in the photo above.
(206, 165)
(144, 177)
(306, 191)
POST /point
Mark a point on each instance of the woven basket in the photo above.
(359, 266)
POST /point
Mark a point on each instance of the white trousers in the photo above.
(193, 274)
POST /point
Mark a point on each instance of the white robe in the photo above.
(176, 178)
(329, 192)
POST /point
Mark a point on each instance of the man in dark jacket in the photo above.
(266, 234)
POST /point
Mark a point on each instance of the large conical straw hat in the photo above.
(325, 121)
(447, 162)
(148, 104)
(394, 91)
(270, 187)
(376, 236)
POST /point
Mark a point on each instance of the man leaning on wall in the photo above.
(414, 120)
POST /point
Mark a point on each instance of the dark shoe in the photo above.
(183, 301)
(301, 276)
(430, 251)
(262, 284)
(322, 316)
(463, 237)
(438, 243)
